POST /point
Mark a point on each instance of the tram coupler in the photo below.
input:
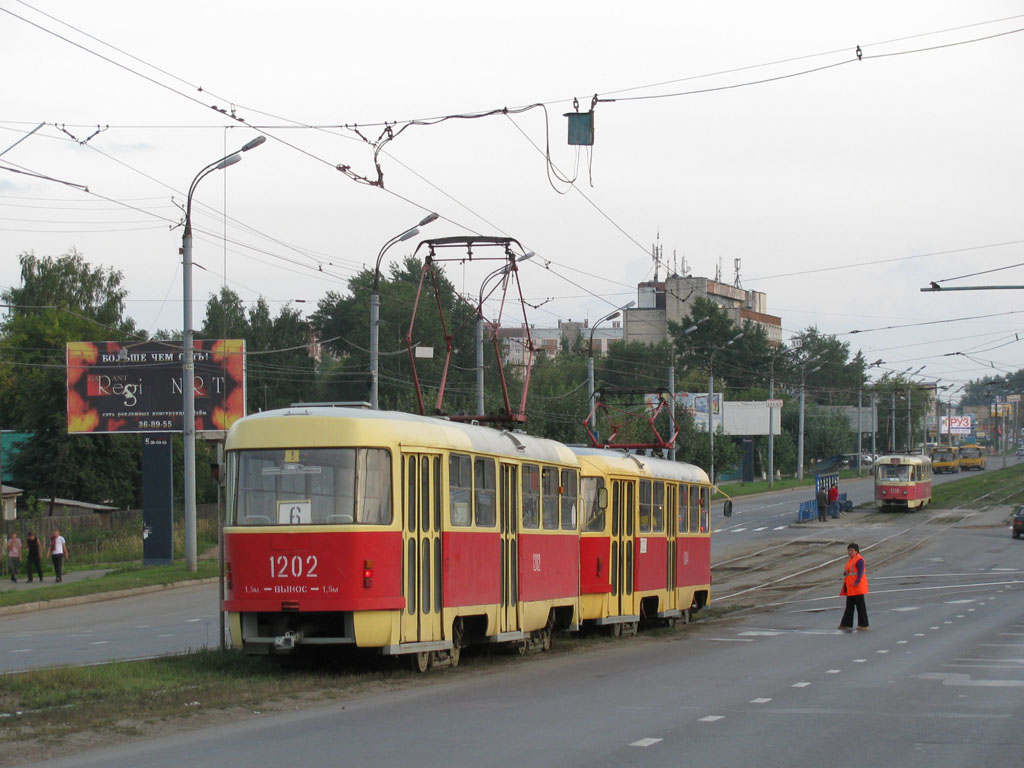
(287, 641)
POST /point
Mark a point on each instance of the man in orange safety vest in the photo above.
(855, 586)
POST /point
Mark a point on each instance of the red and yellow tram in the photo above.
(645, 539)
(903, 481)
(408, 534)
(417, 535)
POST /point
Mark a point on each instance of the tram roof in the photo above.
(629, 463)
(903, 458)
(320, 426)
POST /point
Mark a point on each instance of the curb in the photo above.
(61, 602)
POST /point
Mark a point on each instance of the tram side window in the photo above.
(694, 509)
(645, 506)
(531, 496)
(570, 490)
(682, 524)
(549, 497)
(593, 512)
(705, 512)
(486, 492)
(460, 489)
(658, 510)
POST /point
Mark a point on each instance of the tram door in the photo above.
(623, 513)
(421, 557)
(509, 506)
(671, 533)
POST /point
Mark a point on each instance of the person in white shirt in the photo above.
(58, 551)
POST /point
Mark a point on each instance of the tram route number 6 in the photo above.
(296, 566)
(294, 512)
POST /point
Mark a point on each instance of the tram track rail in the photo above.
(777, 573)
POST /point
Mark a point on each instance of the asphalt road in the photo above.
(171, 621)
(186, 618)
(935, 683)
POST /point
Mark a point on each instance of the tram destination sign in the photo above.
(136, 386)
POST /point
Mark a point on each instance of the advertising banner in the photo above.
(692, 402)
(956, 425)
(136, 386)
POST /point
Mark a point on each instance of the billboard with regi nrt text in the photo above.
(136, 386)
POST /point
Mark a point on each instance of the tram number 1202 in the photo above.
(284, 567)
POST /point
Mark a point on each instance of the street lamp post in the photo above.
(503, 272)
(711, 402)
(188, 392)
(590, 363)
(800, 437)
(375, 306)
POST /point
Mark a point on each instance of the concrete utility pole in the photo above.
(188, 367)
(800, 437)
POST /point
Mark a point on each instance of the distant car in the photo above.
(1020, 452)
(1018, 522)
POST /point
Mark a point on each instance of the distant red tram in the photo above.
(903, 481)
(420, 536)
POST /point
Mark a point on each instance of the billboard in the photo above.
(136, 386)
(956, 425)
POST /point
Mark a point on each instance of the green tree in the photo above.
(343, 323)
(60, 300)
(280, 366)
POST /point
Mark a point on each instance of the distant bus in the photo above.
(903, 481)
(945, 458)
(972, 457)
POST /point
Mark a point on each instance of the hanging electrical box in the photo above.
(581, 128)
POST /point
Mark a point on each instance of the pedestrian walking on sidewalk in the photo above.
(33, 556)
(13, 555)
(58, 551)
(855, 586)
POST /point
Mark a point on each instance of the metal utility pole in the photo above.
(874, 423)
(860, 427)
(892, 436)
(771, 427)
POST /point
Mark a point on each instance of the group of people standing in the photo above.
(56, 550)
(828, 501)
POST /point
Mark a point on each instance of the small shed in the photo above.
(9, 504)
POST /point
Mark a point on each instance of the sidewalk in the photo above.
(6, 585)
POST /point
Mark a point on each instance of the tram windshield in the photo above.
(894, 473)
(310, 486)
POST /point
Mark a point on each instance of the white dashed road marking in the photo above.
(644, 742)
(710, 718)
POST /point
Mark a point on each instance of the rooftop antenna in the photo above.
(718, 270)
(656, 254)
(686, 268)
(736, 263)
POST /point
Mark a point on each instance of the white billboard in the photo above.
(956, 425)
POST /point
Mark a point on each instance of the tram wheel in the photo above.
(458, 633)
(421, 661)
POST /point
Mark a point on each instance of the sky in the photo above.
(744, 132)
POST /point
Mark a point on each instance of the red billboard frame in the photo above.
(136, 386)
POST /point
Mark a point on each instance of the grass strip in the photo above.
(992, 487)
(46, 706)
(122, 577)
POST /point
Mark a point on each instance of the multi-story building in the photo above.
(550, 340)
(671, 300)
